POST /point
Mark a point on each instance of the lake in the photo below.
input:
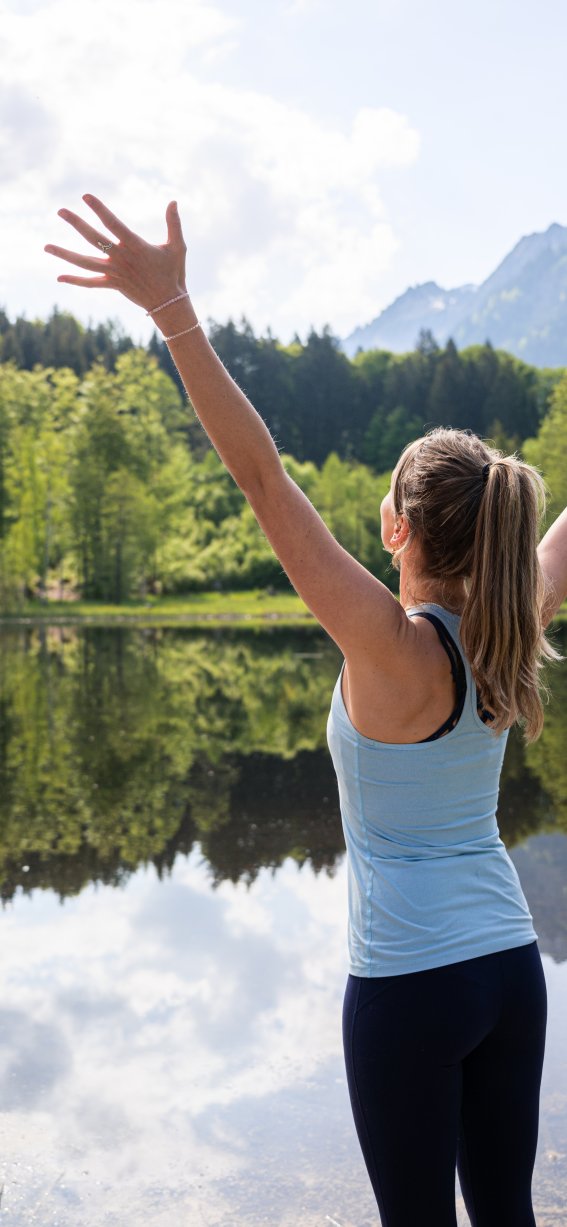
(173, 932)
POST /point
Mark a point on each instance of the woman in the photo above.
(445, 1007)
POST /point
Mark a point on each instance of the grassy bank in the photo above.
(254, 608)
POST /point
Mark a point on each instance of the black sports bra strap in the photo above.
(448, 643)
(457, 671)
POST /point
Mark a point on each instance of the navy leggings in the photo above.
(444, 1070)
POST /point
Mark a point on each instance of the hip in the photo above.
(452, 1007)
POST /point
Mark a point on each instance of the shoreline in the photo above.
(254, 609)
(249, 608)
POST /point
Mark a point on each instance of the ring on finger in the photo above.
(105, 247)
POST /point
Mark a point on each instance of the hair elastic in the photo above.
(485, 472)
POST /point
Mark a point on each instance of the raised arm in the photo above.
(552, 554)
(357, 610)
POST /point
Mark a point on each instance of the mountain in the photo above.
(397, 328)
(521, 307)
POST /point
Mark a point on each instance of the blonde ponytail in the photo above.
(477, 514)
(501, 626)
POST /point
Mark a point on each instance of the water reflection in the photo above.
(172, 977)
(171, 1054)
(173, 1029)
(121, 748)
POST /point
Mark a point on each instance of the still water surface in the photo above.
(173, 933)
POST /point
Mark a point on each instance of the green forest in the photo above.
(109, 488)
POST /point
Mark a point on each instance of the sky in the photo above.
(325, 156)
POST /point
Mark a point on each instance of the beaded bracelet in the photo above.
(185, 330)
(154, 310)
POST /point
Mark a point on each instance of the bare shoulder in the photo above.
(414, 650)
(405, 695)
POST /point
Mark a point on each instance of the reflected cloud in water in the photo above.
(184, 1010)
(172, 1054)
(33, 1057)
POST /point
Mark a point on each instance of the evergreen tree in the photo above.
(446, 404)
(326, 404)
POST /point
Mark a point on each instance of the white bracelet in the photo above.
(182, 334)
(168, 303)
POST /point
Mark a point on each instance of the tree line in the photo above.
(108, 485)
(316, 400)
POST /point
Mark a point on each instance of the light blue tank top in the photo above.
(429, 879)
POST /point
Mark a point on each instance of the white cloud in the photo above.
(27, 135)
(283, 214)
(295, 7)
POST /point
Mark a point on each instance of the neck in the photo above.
(421, 589)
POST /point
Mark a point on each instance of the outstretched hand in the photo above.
(145, 273)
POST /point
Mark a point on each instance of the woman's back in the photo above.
(430, 882)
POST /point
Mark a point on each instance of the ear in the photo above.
(401, 532)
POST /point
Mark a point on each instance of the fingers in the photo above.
(92, 236)
(92, 263)
(88, 282)
(173, 222)
(108, 219)
(133, 265)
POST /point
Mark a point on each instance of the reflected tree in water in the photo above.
(127, 747)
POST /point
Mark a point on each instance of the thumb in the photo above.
(173, 222)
